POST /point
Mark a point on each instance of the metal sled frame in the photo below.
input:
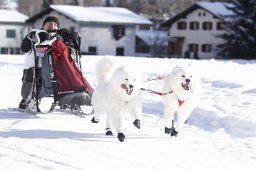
(34, 98)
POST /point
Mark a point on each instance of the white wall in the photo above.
(198, 36)
(11, 42)
(101, 36)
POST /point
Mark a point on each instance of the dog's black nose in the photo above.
(187, 80)
(131, 86)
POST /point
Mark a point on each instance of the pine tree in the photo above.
(241, 31)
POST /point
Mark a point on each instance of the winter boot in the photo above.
(94, 120)
(121, 137)
(109, 132)
(174, 132)
(136, 123)
(167, 130)
(23, 104)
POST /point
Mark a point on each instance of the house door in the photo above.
(119, 51)
(175, 47)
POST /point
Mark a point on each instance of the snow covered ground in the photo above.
(220, 133)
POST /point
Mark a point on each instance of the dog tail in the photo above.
(104, 69)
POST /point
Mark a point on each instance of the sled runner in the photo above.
(60, 75)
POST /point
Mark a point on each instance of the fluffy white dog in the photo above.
(181, 92)
(118, 91)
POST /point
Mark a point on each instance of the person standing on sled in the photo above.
(34, 38)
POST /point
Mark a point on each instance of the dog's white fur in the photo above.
(117, 92)
(173, 86)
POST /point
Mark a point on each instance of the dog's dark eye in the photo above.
(126, 79)
(183, 75)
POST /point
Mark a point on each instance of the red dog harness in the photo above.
(161, 94)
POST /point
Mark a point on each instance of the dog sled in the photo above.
(60, 76)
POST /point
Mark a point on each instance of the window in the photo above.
(118, 31)
(144, 27)
(194, 25)
(72, 29)
(142, 49)
(10, 33)
(193, 47)
(14, 50)
(182, 25)
(120, 51)
(207, 48)
(141, 46)
(4, 50)
(219, 26)
(207, 26)
(92, 50)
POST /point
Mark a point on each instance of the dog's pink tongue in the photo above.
(128, 90)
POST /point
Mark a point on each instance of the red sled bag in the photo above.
(68, 76)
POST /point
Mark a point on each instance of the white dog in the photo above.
(118, 91)
(181, 92)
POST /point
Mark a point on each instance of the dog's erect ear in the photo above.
(176, 69)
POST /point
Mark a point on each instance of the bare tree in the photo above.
(29, 7)
(150, 8)
(92, 2)
(133, 5)
(47, 3)
(3, 3)
(159, 45)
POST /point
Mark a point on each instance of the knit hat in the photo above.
(52, 19)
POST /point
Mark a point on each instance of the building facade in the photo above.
(12, 30)
(196, 29)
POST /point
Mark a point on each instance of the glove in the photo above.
(38, 37)
(43, 38)
(64, 33)
(31, 34)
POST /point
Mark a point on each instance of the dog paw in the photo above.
(94, 121)
(168, 130)
(174, 132)
(109, 133)
(121, 137)
(136, 123)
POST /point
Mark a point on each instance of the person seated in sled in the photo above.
(52, 45)
(50, 23)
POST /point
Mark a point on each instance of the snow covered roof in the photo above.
(95, 14)
(153, 37)
(8, 15)
(218, 9)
